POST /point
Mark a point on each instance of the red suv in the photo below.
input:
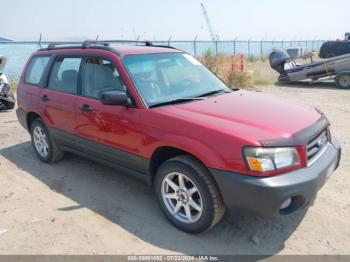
(156, 113)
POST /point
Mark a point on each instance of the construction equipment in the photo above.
(213, 36)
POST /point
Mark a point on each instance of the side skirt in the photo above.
(114, 158)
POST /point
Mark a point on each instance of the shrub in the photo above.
(240, 79)
(221, 66)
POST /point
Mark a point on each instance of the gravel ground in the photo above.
(79, 207)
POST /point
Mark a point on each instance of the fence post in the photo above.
(216, 47)
(248, 42)
(234, 46)
(241, 63)
(261, 49)
(195, 46)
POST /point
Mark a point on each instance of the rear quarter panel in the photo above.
(27, 95)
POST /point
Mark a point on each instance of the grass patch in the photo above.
(257, 71)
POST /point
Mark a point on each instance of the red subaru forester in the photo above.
(156, 113)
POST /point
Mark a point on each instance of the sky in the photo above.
(178, 19)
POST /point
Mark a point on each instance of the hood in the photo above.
(250, 115)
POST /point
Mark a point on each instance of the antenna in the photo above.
(207, 20)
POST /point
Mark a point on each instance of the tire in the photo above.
(207, 197)
(342, 80)
(52, 153)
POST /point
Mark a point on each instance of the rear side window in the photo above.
(36, 69)
(64, 75)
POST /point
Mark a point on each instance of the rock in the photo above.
(35, 220)
(276, 226)
(255, 239)
(3, 231)
(53, 220)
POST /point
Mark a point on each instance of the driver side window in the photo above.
(99, 75)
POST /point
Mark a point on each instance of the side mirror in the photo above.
(115, 98)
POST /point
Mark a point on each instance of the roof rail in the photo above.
(53, 45)
(146, 43)
(90, 43)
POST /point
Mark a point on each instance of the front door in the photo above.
(106, 131)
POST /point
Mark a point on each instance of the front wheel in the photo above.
(343, 80)
(188, 195)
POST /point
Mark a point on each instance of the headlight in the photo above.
(270, 159)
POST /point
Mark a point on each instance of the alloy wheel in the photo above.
(182, 197)
(40, 141)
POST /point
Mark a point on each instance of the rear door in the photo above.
(58, 99)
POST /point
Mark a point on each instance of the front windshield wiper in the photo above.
(175, 101)
(213, 92)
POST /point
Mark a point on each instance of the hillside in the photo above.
(4, 39)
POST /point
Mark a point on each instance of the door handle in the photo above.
(86, 108)
(45, 98)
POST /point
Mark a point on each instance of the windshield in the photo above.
(170, 77)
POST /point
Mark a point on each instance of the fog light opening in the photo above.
(286, 203)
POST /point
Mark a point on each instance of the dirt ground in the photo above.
(79, 207)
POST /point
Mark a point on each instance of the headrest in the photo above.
(69, 75)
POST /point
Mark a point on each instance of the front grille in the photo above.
(316, 145)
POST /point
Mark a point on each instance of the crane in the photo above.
(207, 20)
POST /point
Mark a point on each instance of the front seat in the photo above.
(69, 81)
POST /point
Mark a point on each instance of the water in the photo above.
(18, 53)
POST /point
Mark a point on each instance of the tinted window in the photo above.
(100, 75)
(64, 75)
(36, 69)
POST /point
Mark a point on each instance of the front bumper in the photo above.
(264, 196)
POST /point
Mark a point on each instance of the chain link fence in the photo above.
(18, 52)
(249, 48)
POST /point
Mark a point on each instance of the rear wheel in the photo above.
(45, 148)
(188, 195)
(343, 80)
